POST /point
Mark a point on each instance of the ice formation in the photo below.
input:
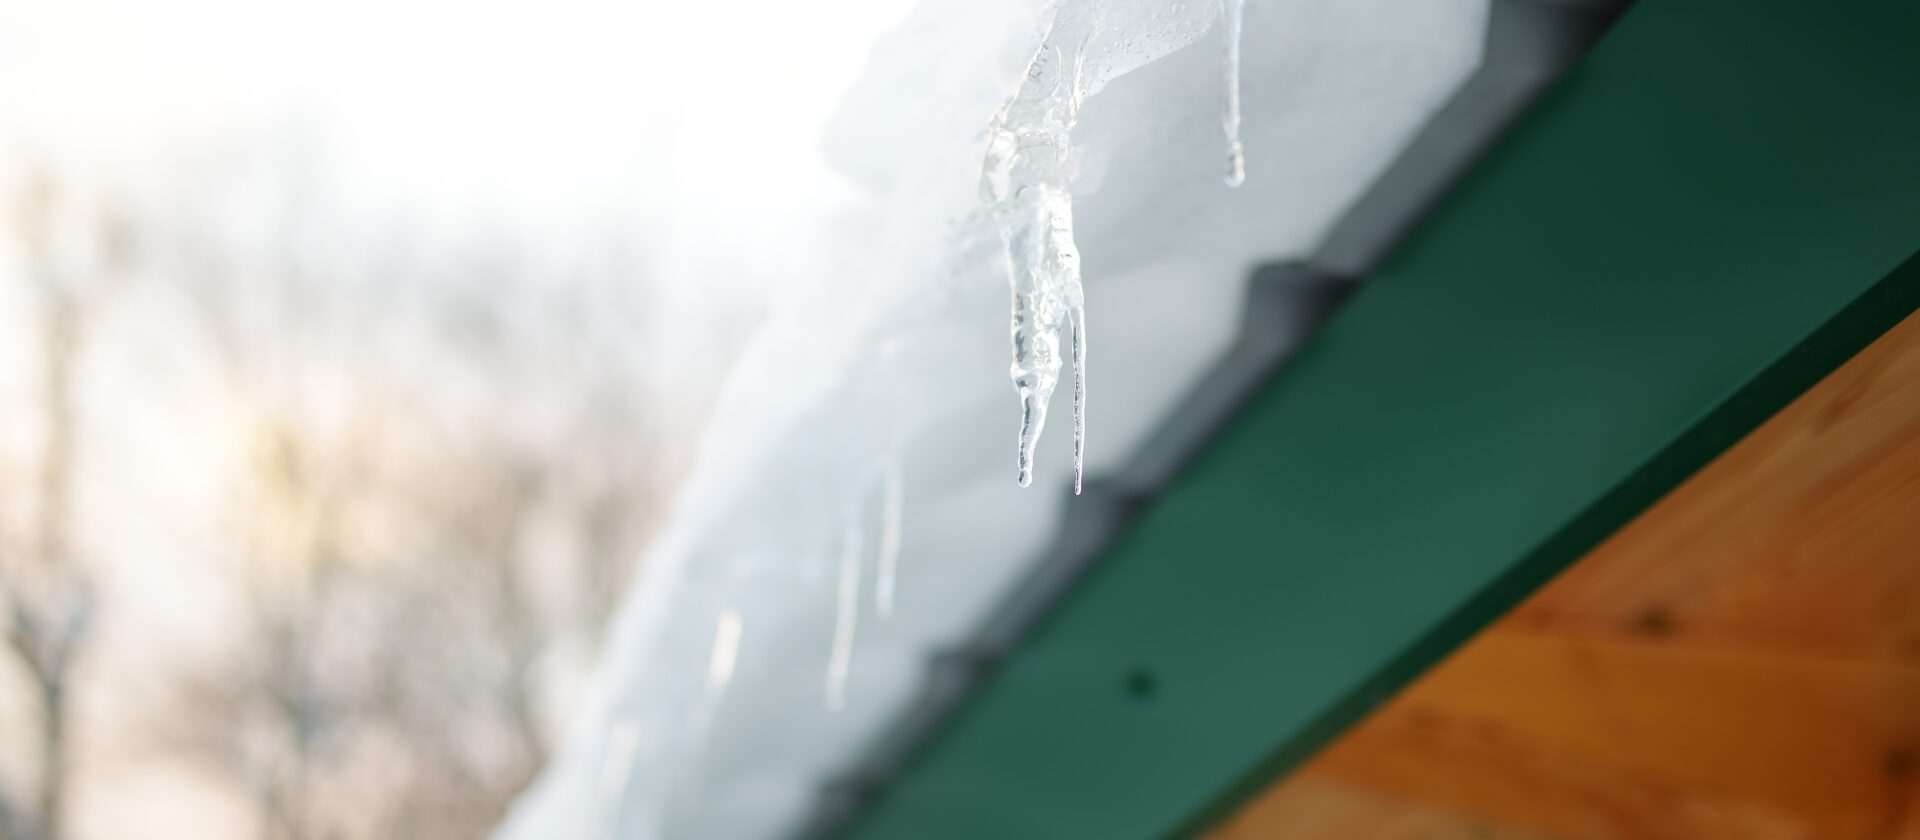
(726, 650)
(846, 621)
(1233, 18)
(1026, 180)
(868, 412)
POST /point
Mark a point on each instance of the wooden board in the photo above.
(1740, 662)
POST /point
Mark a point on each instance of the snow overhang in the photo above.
(1359, 115)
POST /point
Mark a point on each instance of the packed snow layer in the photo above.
(853, 509)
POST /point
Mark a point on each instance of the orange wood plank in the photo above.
(1321, 808)
(1605, 739)
(1742, 661)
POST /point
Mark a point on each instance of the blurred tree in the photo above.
(443, 462)
(46, 594)
(413, 564)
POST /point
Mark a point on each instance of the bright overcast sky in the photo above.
(551, 106)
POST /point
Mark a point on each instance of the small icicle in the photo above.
(726, 651)
(1078, 321)
(687, 790)
(891, 508)
(847, 616)
(1233, 18)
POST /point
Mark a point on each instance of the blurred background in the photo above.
(259, 471)
(337, 396)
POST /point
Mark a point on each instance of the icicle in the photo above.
(847, 618)
(889, 560)
(726, 651)
(1024, 178)
(1233, 17)
(1079, 396)
(688, 788)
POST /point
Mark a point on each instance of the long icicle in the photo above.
(1078, 321)
(1025, 179)
(847, 615)
(1233, 15)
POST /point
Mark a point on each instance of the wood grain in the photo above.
(1742, 662)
